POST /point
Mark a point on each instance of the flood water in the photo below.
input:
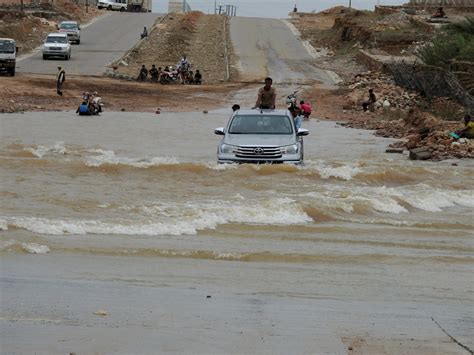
(352, 224)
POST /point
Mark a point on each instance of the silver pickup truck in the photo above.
(8, 52)
(73, 30)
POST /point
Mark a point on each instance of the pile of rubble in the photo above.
(427, 133)
(389, 95)
(396, 20)
(420, 132)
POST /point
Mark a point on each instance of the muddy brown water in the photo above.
(352, 224)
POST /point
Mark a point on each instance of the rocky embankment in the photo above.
(423, 125)
(30, 28)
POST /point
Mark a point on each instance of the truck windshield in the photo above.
(56, 39)
(7, 47)
(68, 26)
(261, 124)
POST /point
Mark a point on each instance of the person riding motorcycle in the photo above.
(183, 67)
(184, 63)
(154, 73)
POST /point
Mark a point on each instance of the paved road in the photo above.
(102, 42)
(267, 47)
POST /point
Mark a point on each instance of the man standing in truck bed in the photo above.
(266, 96)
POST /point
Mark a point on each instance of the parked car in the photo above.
(57, 45)
(261, 136)
(8, 51)
(73, 30)
(120, 5)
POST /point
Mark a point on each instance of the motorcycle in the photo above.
(292, 101)
(168, 77)
(184, 73)
(91, 105)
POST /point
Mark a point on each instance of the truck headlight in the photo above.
(290, 149)
(226, 149)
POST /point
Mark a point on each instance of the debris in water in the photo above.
(101, 312)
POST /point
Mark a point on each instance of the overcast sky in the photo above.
(274, 8)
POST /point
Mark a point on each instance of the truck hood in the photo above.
(260, 140)
(69, 31)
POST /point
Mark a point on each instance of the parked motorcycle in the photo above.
(168, 77)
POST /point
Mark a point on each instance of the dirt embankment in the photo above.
(38, 93)
(398, 113)
(201, 37)
(30, 28)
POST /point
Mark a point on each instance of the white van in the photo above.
(120, 5)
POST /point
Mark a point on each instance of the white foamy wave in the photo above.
(40, 151)
(34, 248)
(335, 201)
(379, 199)
(432, 200)
(5, 244)
(109, 157)
(227, 256)
(392, 199)
(188, 219)
(391, 222)
(326, 171)
(219, 167)
(3, 225)
(387, 205)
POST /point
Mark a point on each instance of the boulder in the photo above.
(422, 153)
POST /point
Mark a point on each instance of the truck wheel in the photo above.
(109, 7)
(78, 41)
(122, 9)
(12, 72)
(45, 57)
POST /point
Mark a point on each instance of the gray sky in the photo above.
(274, 8)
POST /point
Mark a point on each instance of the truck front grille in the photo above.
(258, 152)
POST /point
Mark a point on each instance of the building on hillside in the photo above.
(447, 3)
(178, 6)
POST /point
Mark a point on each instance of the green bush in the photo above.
(455, 42)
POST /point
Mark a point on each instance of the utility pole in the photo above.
(184, 6)
(21, 6)
(215, 7)
(87, 6)
(350, 4)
